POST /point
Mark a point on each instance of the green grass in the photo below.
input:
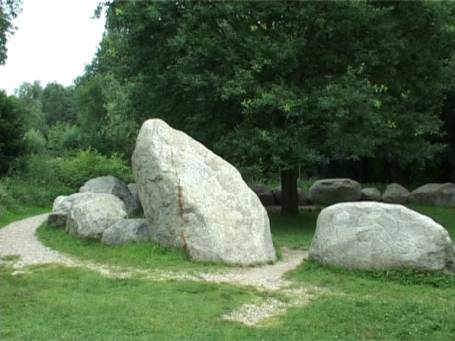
(140, 255)
(24, 212)
(54, 303)
(294, 233)
(405, 305)
(443, 215)
(67, 304)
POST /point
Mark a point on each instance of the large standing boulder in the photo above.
(196, 201)
(370, 235)
(111, 185)
(395, 194)
(371, 194)
(90, 216)
(331, 191)
(434, 194)
(126, 231)
(62, 206)
(137, 206)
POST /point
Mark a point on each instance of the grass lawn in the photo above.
(141, 255)
(57, 303)
(24, 212)
(294, 233)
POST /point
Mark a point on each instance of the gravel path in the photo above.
(19, 239)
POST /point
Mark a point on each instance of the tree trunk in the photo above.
(289, 196)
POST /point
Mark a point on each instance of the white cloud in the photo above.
(54, 41)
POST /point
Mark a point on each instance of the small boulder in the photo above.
(331, 191)
(90, 216)
(61, 207)
(137, 206)
(395, 194)
(371, 194)
(434, 194)
(58, 202)
(126, 231)
(111, 185)
(370, 235)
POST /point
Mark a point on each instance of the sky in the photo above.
(54, 41)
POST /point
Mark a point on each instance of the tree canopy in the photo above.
(8, 11)
(11, 131)
(277, 85)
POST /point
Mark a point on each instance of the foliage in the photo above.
(89, 164)
(104, 107)
(90, 101)
(44, 177)
(57, 103)
(47, 106)
(35, 142)
(8, 11)
(29, 96)
(262, 88)
(62, 138)
(11, 131)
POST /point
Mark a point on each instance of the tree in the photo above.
(8, 11)
(285, 84)
(11, 131)
(57, 104)
(30, 97)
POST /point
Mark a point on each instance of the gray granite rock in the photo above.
(371, 194)
(370, 235)
(196, 201)
(111, 185)
(137, 206)
(330, 191)
(395, 194)
(61, 207)
(90, 216)
(126, 231)
(434, 194)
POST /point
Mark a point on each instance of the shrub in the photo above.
(88, 164)
(11, 131)
(44, 177)
(63, 137)
(35, 142)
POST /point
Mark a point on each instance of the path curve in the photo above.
(19, 239)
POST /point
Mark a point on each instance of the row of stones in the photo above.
(331, 191)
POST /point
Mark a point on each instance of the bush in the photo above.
(88, 164)
(63, 137)
(11, 131)
(45, 177)
(35, 142)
